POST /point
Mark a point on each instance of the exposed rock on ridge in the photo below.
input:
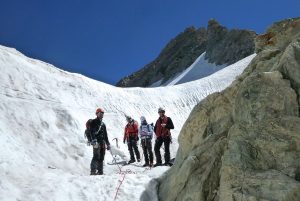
(244, 142)
(228, 46)
(179, 53)
(222, 46)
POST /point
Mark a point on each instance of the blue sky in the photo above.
(107, 40)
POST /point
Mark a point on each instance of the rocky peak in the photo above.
(221, 46)
(214, 28)
(228, 46)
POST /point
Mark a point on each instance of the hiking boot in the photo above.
(146, 164)
(99, 173)
(93, 173)
(139, 160)
(157, 164)
(131, 161)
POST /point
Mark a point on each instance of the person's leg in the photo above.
(158, 143)
(130, 148)
(149, 150)
(94, 162)
(167, 141)
(144, 146)
(101, 158)
(136, 150)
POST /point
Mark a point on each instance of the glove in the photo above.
(94, 142)
(124, 141)
(137, 138)
(108, 147)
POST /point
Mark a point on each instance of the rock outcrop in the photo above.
(228, 46)
(222, 46)
(243, 144)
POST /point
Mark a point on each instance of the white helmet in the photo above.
(142, 119)
(161, 109)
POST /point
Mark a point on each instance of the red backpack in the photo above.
(87, 132)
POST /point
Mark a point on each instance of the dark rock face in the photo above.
(228, 46)
(222, 47)
(243, 144)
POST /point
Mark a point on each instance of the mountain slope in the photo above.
(200, 68)
(222, 46)
(43, 110)
(244, 142)
(178, 54)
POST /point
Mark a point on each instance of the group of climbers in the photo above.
(97, 136)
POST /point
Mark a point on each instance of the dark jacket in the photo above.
(99, 134)
(163, 131)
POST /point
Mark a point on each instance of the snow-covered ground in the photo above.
(200, 68)
(43, 110)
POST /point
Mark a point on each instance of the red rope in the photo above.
(124, 173)
(118, 188)
(121, 172)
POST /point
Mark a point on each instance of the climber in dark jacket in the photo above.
(163, 136)
(98, 138)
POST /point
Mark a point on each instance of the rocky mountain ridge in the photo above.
(222, 46)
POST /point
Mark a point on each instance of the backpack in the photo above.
(87, 132)
(150, 131)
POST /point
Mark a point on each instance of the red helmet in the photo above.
(99, 110)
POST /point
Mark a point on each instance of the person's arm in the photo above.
(92, 130)
(140, 132)
(124, 138)
(169, 124)
(88, 134)
(105, 135)
(136, 129)
(150, 132)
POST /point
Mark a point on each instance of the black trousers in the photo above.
(147, 150)
(158, 143)
(97, 160)
(133, 148)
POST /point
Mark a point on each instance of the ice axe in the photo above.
(117, 142)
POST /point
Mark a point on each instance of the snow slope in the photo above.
(43, 110)
(199, 69)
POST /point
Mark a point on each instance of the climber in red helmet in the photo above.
(97, 135)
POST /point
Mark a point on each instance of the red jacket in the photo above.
(131, 130)
(163, 131)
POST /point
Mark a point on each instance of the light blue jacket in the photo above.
(146, 131)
